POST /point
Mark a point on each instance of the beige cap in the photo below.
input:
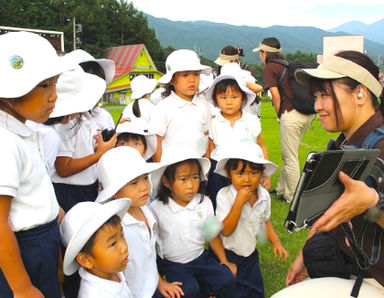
(335, 68)
(265, 48)
(223, 59)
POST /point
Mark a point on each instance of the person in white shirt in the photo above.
(29, 212)
(123, 173)
(140, 106)
(183, 116)
(244, 208)
(181, 211)
(233, 124)
(96, 247)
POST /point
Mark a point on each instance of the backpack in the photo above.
(302, 101)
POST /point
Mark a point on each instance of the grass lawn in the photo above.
(316, 138)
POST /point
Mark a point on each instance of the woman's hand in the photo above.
(28, 292)
(356, 198)
(266, 182)
(296, 272)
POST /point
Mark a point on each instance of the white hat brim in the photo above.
(204, 69)
(79, 239)
(150, 86)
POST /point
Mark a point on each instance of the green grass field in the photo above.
(316, 138)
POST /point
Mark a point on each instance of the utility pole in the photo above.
(77, 28)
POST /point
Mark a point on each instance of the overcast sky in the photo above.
(324, 14)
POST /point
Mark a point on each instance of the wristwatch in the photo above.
(374, 213)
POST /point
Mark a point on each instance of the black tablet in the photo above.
(319, 185)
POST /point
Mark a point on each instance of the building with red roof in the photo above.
(130, 61)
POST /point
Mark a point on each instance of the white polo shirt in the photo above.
(180, 228)
(246, 129)
(181, 122)
(102, 118)
(77, 145)
(24, 176)
(243, 239)
(96, 287)
(146, 110)
(141, 272)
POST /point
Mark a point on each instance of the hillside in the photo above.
(209, 37)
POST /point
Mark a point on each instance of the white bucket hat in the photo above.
(26, 59)
(248, 152)
(117, 167)
(81, 222)
(136, 128)
(80, 56)
(183, 60)
(175, 154)
(77, 92)
(234, 72)
(141, 85)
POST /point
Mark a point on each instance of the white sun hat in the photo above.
(175, 154)
(141, 85)
(81, 222)
(183, 60)
(108, 66)
(117, 167)
(77, 92)
(245, 151)
(137, 126)
(232, 71)
(26, 59)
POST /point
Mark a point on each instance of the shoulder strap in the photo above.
(373, 138)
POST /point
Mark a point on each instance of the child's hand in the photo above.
(244, 194)
(101, 146)
(231, 267)
(170, 290)
(266, 182)
(28, 292)
(279, 249)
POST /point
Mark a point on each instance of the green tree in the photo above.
(299, 56)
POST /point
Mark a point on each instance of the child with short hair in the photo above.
(141, 107)
(183, 116)
(95, 245)
(181, 210)
(232, 125)
(135, 135)
(123, 173)
(29, 70)
(244, 207)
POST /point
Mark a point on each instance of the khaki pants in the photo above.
(293, 126)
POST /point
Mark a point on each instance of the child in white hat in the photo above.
(140, 107)
(96, 247)
(244, 207)
(123, 173)
(29, 69)
(232, 125)
(133, 134)
(183, 116)
(181, 211)
(104, 69)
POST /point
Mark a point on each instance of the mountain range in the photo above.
(208, 38)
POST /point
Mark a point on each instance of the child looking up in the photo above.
(181, 210)
(244, 207)
(183, 116)
(135, 135)
(232, 125)
(96, 246)
(29, 70)
(124, 174)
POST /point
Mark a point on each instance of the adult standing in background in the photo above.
(293, 124)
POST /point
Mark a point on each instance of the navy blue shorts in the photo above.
(204, 275)
(69, 195)
(39, 249)
(248, 281)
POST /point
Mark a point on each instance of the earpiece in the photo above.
(360, 94)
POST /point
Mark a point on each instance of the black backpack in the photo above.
(302, 101)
